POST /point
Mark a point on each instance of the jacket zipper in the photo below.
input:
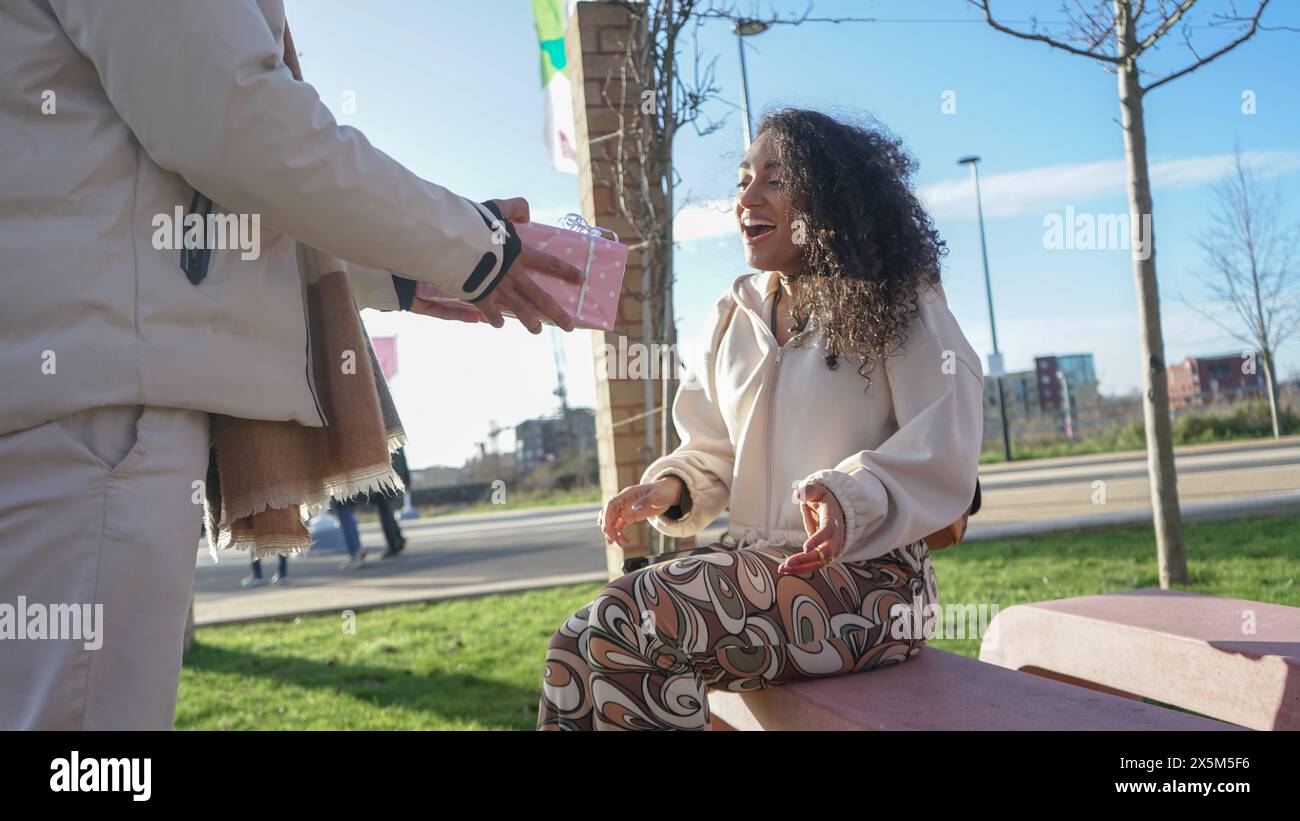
(771, 427)
(768, 521)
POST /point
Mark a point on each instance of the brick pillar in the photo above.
(594, 43)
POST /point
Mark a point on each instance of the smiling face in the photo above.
(764, 212)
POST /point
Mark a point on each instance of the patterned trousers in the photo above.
(641, 655)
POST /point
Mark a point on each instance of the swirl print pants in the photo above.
(641, 655)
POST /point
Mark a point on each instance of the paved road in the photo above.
(465, 555)
(1049, 488)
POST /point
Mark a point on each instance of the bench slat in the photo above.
(937, 690)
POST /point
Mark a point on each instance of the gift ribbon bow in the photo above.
(579, 225)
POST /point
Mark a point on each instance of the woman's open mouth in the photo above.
(756, 231)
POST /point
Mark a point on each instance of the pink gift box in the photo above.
(592, 304)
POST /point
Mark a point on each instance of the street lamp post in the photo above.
(995, 361)
(743, 29)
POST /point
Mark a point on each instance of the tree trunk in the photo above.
(1271, 382)
(665, 330)
(667, 334)
(1170, 550)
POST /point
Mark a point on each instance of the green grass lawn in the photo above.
(476, 663)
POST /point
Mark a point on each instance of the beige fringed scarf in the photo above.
(261, 474)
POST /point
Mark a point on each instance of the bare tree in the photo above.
(1118, 34)
(653, 100)
(1251, 269)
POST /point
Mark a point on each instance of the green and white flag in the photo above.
(549, 16)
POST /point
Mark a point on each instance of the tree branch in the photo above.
(1041, 38)
(1168, 23)
(1250, 32)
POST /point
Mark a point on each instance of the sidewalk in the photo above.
(1234, 446)
(298, 601)
(1280, 504)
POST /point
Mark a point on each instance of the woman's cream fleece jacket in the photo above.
(757, 420)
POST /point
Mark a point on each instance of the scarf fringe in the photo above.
(396, 440)
(375, 479)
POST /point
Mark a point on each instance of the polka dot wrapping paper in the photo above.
(596, 251)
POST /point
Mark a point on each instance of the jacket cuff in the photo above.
(684, 523)
(684, 505)
(510, 244)
(846, 491)
(507, 239)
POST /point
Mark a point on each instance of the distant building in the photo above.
(1038, 392)
(1035, 406)
(554, 437)
(1203, 380)
(1079, 375)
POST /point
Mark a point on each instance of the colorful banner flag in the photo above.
(549, 16)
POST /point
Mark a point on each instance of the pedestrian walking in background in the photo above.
(281, 576)
(388, 506)
(347, 516)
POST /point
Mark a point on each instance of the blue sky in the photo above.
(452, 90)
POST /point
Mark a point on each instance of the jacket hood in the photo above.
(750, 294)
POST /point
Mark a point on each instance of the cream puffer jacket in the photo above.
(756, 420)
(113, 115)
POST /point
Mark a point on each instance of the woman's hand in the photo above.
(638, 503)
(823, 520)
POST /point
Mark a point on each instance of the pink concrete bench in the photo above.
(1179, 648)
(936, 690)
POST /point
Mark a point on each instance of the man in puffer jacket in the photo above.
(119, 119)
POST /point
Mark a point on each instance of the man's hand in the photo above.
(823, 520)
(516, 292)
(446, 310)
(637, 503)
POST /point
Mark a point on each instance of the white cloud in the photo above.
(711, 219)
(1015, 193)
(1019, 192)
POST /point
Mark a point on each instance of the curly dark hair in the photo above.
(868, 242)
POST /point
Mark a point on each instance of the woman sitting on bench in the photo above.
(838, 411)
